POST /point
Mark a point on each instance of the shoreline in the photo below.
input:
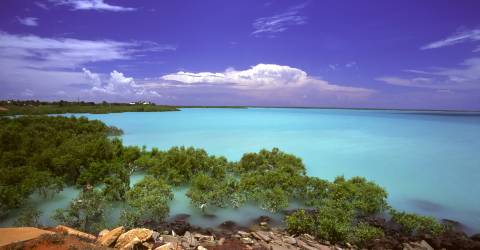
(180, 235)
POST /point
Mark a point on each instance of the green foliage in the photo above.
(272, 199)
(85, 213)
(415, 224)
(116, 187)
(179, 164)
(364, 233)
(206, 190)
(335, 221)
(271, 178)
(148, 199)
(29, 217)
(275, 159)
(366, 197)
(300, 222)
(314, 190)
(43, 154)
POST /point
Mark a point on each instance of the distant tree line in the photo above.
(36, 107)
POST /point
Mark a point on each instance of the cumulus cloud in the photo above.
(28, 21)
(94, 78)
(258, 76)
(457, 38)
(116, 84)
(99, 5)
(280, 22)
(261, 77)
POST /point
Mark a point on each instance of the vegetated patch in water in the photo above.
(180, 208)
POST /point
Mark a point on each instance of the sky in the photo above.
(319, 53)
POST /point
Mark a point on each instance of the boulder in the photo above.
(261, 235)
(103, 232)
(203, 238)
(169, 246)
(274, 246)
(168, 238)
(155, 236)
(289, 240)
(304, 246)
(475, 237)
(247, 241)
(110, 237)
(243, 234)
(190, 239)
(132, 244)
(229, 226)
(148, 244)
(74, 232)
(142, 234)
(422, 245)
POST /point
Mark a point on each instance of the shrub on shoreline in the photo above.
(44, 154)
(417, 224)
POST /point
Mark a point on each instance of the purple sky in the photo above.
(386, 54)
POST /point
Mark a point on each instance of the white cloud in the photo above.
(94, 78)
(408, 82)
(47, 65)
(92, 5)
(333, 66)
(117, 84)
(28, 21)
(351, 64)
(459, 37)
(259, 77)
(468, 72)
(465, 76)
(280, 22)
(348, 65)
(39, 52)
(41, 5)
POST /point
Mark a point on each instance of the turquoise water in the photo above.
(428, 161)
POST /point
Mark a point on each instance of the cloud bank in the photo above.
(260, 77)
(262, 84)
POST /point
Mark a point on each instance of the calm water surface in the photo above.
(428, 161)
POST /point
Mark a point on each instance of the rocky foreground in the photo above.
(263, 237)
